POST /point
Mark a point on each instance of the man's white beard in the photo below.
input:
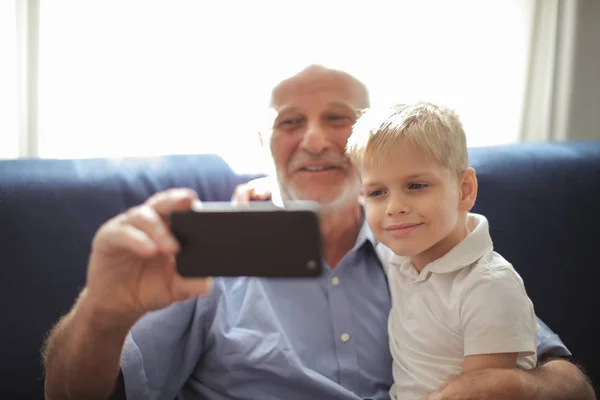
(348, 195)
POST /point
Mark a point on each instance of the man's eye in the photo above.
(289, 123)
(417, 186)
(338, 119)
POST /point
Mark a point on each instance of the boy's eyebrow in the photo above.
(369, 184)
(417, 175)
(423, 174)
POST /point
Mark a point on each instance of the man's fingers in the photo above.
(257, 195)
(172, 200)
(261, 188)
(241, 194)
(147, 220)
(185, 288)
(130, 238)
(255, 190)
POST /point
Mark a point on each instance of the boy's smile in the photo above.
(401, 230)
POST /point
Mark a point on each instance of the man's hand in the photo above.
(132, 265)
(131, 271)
(486, 384)
(256, 190)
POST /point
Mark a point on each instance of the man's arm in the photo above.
(82, 354)
(559, 379)
(556, 379)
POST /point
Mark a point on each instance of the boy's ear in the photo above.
(468, 190)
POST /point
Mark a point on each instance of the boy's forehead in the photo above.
(401, 160)
(376, 175)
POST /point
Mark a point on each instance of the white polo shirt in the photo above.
(470, 301)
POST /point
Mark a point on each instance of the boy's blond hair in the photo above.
(435, 129)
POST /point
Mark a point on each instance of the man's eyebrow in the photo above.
(286, 110)
(343, 106)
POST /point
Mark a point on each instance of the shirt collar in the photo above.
(365, 233)
(477, 243)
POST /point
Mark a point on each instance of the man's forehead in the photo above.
(329, 105)
(297, 88)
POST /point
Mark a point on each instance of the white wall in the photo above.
(584, 117)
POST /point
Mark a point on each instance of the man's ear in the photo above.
(468, 189)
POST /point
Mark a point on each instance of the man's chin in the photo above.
(323, 200)
(327, 196)
(330, 203)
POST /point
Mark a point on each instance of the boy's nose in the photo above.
(397, 206)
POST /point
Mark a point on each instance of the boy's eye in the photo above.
(375, 193)
(417, 186)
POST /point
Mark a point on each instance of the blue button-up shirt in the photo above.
(254, 338)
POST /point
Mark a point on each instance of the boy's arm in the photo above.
(554, 379)
(482, 361)
(497, 321)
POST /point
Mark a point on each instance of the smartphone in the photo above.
(254, 239)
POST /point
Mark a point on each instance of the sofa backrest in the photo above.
(543, 205)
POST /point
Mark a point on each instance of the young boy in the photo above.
(457, 305)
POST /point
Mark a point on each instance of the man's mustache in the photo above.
(302, 159)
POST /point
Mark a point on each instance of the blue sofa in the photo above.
(542, 201)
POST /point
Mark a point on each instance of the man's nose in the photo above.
(397, 204)
(315, 139)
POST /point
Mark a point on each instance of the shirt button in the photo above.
(335, 281)
(345, 337)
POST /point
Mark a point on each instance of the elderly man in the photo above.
(140, 330)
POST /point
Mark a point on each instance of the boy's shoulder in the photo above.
(492, 263)
(491, 270)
